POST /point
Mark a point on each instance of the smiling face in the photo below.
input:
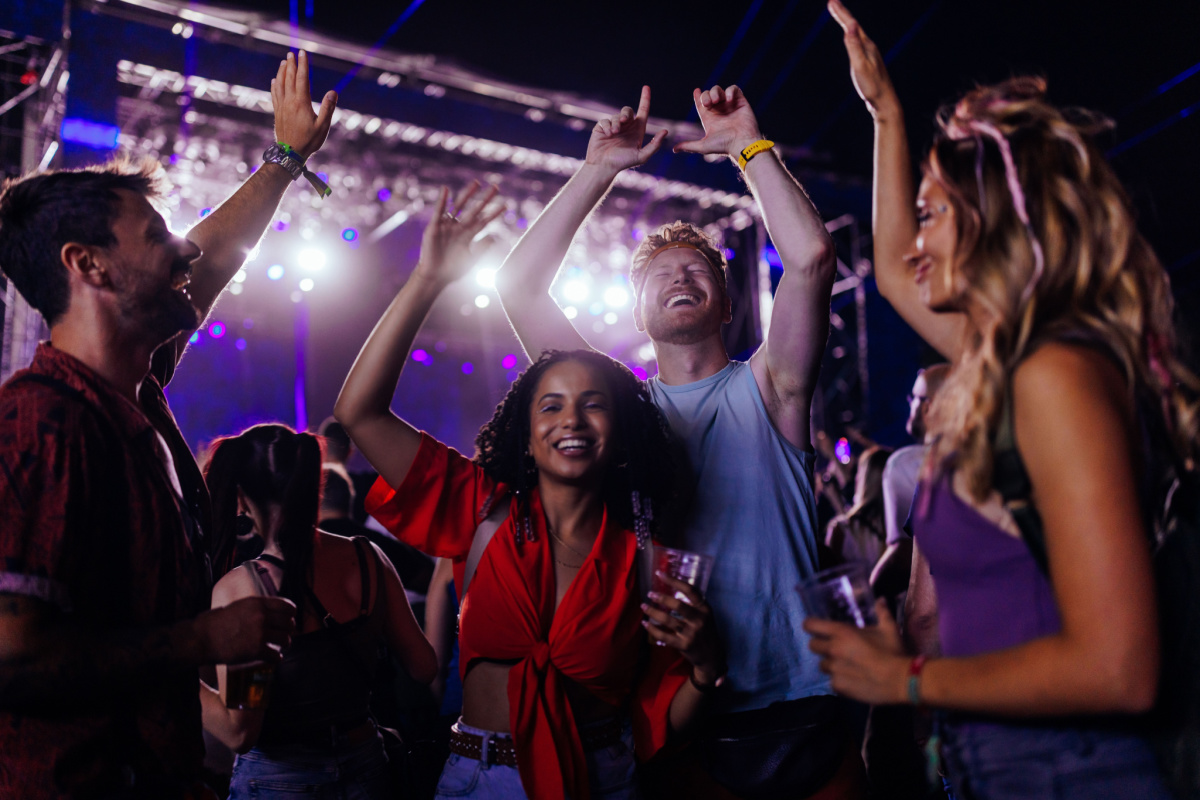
(571, 423)
(150, 268)
(680, 300)
(933, 254)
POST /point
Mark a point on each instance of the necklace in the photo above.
(565, 564)
(557, 538)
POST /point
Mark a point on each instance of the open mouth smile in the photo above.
(677, 300)
(574, 445)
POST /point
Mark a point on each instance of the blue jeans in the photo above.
(610, 773)
(355, 772)
(998, 761)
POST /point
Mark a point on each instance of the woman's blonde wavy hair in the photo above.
(1098, 276)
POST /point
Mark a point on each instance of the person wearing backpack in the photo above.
(1021, 263)
(547, 528)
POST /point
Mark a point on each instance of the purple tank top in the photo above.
(991, 594)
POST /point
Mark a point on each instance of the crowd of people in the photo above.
(1019, 651)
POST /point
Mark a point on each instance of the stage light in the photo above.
(646, 352)
(281, 226)
(570, 312)
(384, 194)
(204, 212)
(240, 344)
(467, 368)
(349, 234)
(236, 288)
(618, 257)
(194, 338)
(611, 318)
(306, 284)
(596, 309)
(216, 329)
(729, 253)
(311, 259)
(483, 301)
(576, 291)
(616, 296)
(275, 271)
(420, 355)
(511, 376)
(509, 361)
(239, 276)
(640, 373)
(486, 277)
(842, 450)
(297, 296)
(90, 134)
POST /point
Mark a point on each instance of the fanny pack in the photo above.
(788, 749)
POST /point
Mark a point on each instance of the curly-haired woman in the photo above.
(559, 684)
(1022, 264)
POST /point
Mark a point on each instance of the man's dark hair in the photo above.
(337, 441)
(337, 494)
(643, 462)
(41, 213)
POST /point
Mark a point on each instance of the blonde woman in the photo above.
(1021, 263)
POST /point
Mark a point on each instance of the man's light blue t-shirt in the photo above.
(754, 511)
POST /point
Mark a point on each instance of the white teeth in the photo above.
(682, 298)
(567, 444)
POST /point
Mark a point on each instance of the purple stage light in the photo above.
(468, 368)
(204, 212)
(772, 256)
(90, 134)
(842, 450)
(240, 344)
(349, 234)
(509, 361)
(281, 226)
(420, 355)
(324, 176)
(639, 372)
(511, 376)
(216, 330)
(384, 194)
(729, 253)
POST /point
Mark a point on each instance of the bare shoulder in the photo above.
(1067, 377)
(233, 586)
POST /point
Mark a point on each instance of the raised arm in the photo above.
(234, 228)
(786, 366)
(364, 404)
(523, 281)
(894, 216)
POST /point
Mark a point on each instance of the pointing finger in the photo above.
(644, 104)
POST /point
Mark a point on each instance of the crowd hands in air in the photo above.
(583, 671)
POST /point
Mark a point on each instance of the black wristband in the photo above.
(706, 688)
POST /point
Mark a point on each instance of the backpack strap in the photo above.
(483, 534)
(1011, 481)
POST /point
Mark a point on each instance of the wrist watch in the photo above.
(289, 159)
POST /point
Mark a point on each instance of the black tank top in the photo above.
(322, 687)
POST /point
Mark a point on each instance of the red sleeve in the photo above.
(46, 494)
(436, 508)
(651, 707)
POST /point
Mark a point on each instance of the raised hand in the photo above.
(867, 69)
(446, 251)
(250, 629)
(866, 664)
(616, 142)
(729, 123)
(295, 122)
(684, 621)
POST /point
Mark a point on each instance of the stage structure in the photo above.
(283, 335)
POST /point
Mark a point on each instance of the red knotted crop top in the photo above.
(594, 638)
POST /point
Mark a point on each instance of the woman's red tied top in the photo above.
(594, 639)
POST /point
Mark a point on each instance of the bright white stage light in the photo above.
(611, 318)
(306, 284)
(486, 277)
(646, 352)
(239, 276)
(616, 296)
(570, 312)
(311, 259)
(576, 291)
(483, 301)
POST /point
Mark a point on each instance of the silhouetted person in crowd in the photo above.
(106, 555)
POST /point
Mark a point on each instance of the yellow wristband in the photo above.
(761, 146)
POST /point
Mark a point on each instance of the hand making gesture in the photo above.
(616, 142)
(446, 246)
(729, 123)
(867, 69)
(296, 124)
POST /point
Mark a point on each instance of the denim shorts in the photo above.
(610, 772)
(355, 772)
(999, 761)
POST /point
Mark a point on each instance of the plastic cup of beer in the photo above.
(248, 686)
(840, 594)
(693, 569)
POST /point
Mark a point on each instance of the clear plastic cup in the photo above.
(693, 569)
(841, 594)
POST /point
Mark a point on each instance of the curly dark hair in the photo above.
(647, 465)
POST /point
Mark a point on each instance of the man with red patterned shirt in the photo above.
(105, 572)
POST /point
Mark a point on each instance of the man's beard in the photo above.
(161, 315)
(680, 332)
